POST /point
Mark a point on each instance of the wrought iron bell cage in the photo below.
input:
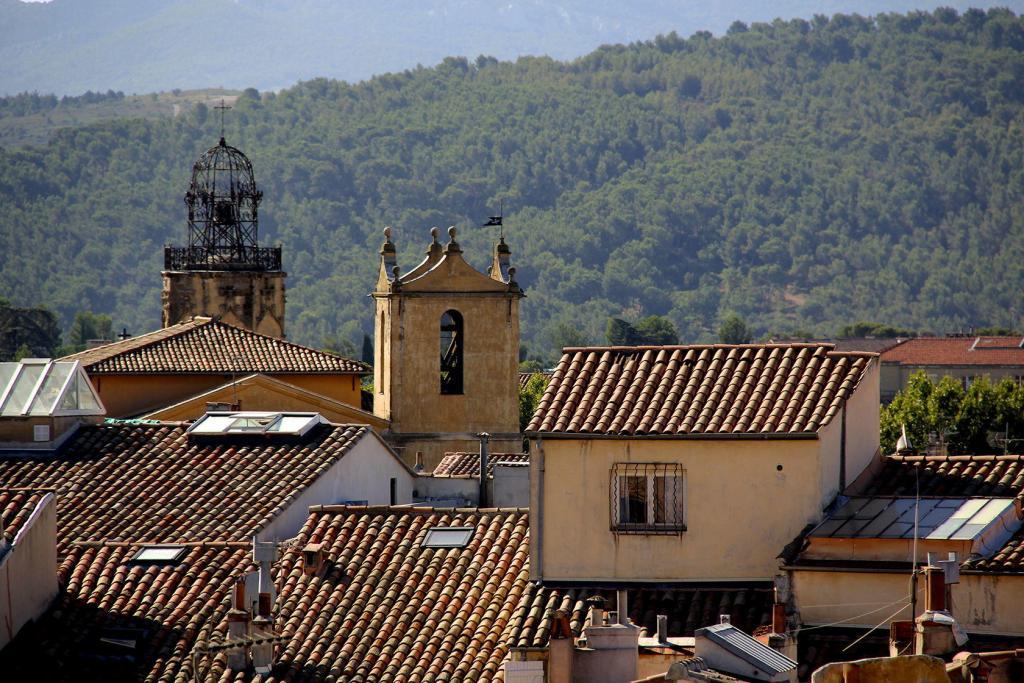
(223, 223)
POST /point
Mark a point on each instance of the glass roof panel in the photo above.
(7, 371)
(22, 390)
(991, 512)
(212, 424)
(292, 424)
(86, 397)
(448, 537)
(46, 397)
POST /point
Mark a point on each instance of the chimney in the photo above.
(778, 618)
(312, 558)
(935, 586)
(623, 606)
(238, 629)
(560, 649)
(662, 628)
(484, 437)
(935, 630)
(264, 553)
(596, 610)
(419, 462)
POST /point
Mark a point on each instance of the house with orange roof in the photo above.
(683, 464)
(964, 357)
(142, 374)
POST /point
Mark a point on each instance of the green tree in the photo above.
(620, 333)
(656, 330)
(734, 330)
(529, 399)
(27, 332)
(910, 408)
(87, 326)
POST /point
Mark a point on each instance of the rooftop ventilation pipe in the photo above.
(484, 438)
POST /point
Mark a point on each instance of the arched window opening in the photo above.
(451, 352)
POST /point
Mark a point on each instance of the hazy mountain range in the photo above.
(71, 46)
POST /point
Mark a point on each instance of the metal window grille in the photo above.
(647, 498)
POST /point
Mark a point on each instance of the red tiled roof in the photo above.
(16, 505)
(150, 483)
(966, 476)
(468, 464)
(957, 351)
(382, 608)
(166, 608)
(203, 345)
(953, 475)
(719, 389)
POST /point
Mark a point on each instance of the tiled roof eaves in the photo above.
(131, 355)
(699, 389)
(686, 436)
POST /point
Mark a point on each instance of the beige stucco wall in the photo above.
(364, 473)
(135, 394)
(28, 572)
(982, 603)
(740, 510)
(270, 396)
(253, 300)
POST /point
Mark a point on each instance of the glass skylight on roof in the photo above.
(160, 554)
(980, 520)
(448, 537)
(295, 424)
(41, 387)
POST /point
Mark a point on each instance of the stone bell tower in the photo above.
(223, 272)
(446, 345)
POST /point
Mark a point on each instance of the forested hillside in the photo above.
(801, 174)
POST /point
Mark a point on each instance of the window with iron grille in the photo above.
(647, 498)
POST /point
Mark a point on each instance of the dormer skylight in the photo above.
(448, 537)
(265, 423)
(39, 387)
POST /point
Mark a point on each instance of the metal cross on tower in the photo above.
(222, 107)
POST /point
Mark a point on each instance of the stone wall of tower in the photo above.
(254, 300)
(407, 362)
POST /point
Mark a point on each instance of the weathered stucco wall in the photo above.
(136, 394)
(730, 488)
(982, 603)
(28, 572)
(253, 300)
(270, 396)
(364, 473)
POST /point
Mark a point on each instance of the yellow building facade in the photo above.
(660, 506)
(446, 352)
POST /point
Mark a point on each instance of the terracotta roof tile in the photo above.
(16, 505)
(166, 608)
(203, 345)
(382, 608)
(152, 483)
(957, 351)
(961, 476)
(719, 389)
(468, 464)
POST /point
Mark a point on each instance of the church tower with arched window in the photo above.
(446, 344)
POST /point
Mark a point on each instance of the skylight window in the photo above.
(448, 537)
(41, 387)
(214, 423)
(160, 554)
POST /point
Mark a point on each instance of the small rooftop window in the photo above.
(448, 537)
(214, 423)
(160, 554)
